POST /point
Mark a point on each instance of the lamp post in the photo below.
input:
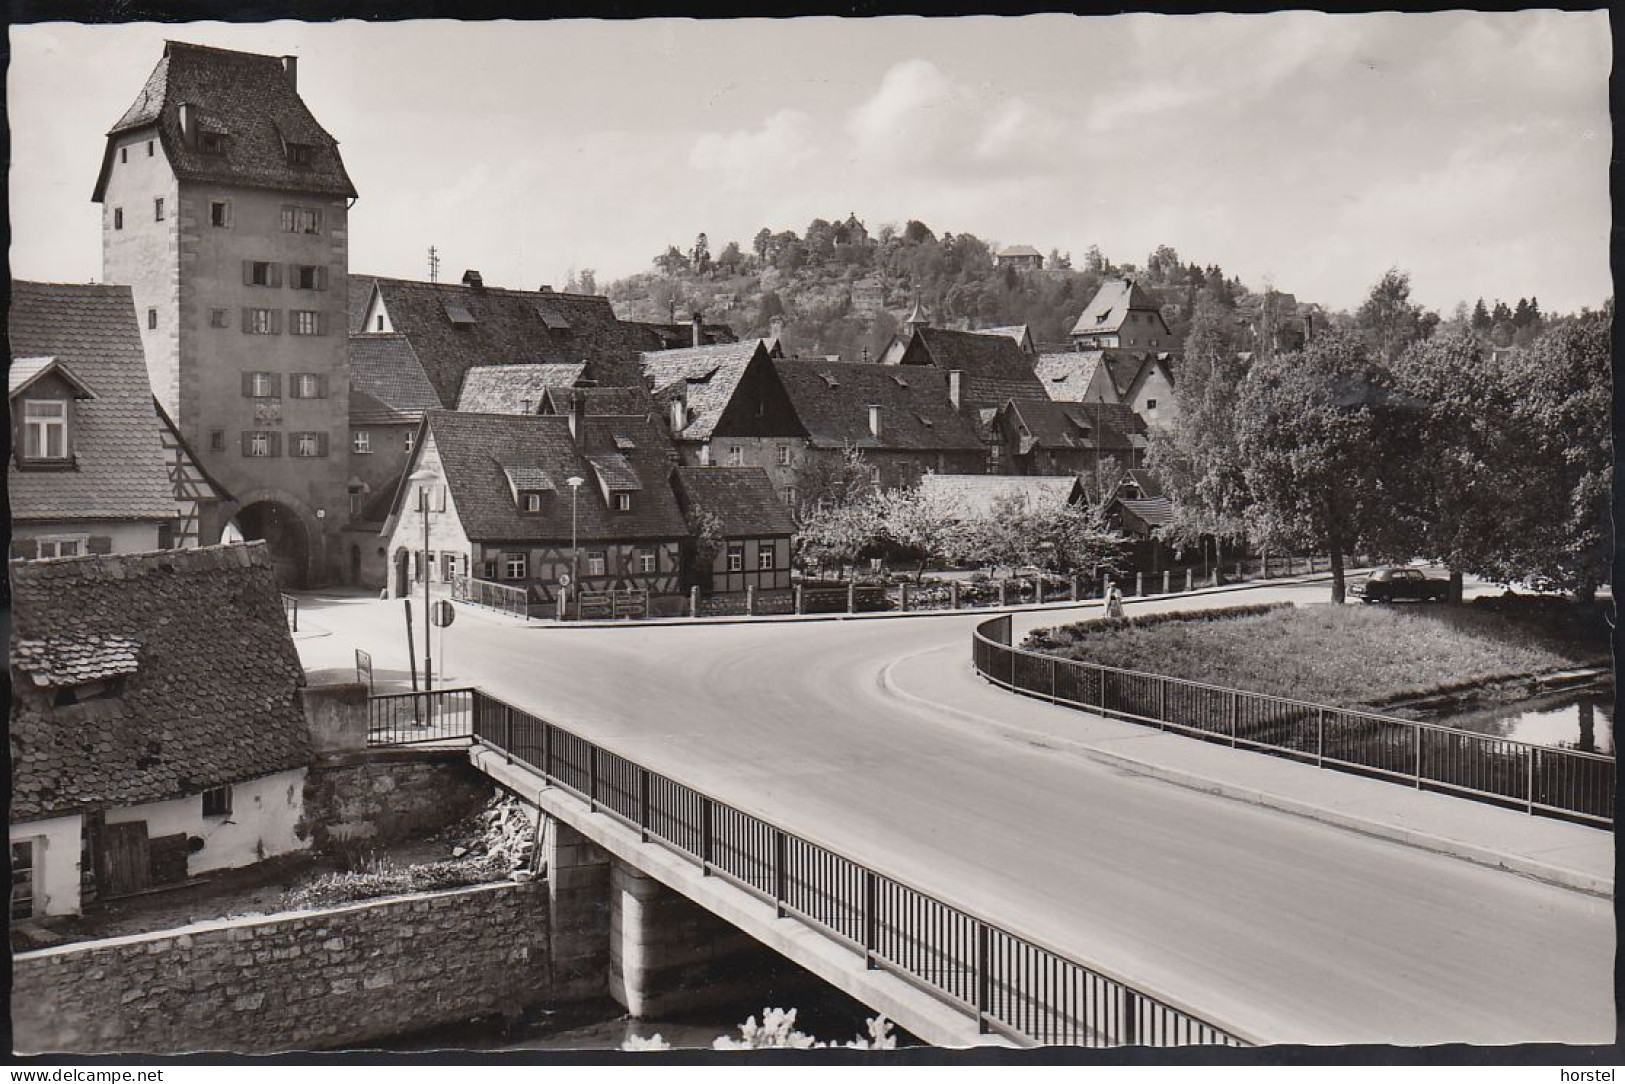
(423, 478)
(574, 482)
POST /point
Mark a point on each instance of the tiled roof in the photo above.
(529, 480)
(1111, 304)
(1058, 426)
(707, 376)
(832, 399)
(212, 699)
(60, 661)
(510, 327)
(1148, 483)
(387, 369)
(1127, 367)
(615, 472)
(1019, 250)
(24, 371)
(678, 335)
(119, 470)
(360, 298)
(995, 368)
(1015, 332)
(601, 401)
(742, 498)
(250, 100)
(477, 451)
(1068, 376)
(977, 494)
(1150, 511)
(514, 389)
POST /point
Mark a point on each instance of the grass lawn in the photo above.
(1349, 656)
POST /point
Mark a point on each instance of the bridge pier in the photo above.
(578, 893)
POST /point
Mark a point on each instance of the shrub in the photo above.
(384, 878)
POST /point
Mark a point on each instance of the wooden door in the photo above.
(126, 861)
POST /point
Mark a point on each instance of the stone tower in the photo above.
(224, 209)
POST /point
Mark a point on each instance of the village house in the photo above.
(1145, 381)
(738, 512)
(696, 388)
(1058, 438)
(515, 389)
(1021, 257)
(1139, 509)
(984, 371)
(978, 496)
(1018, 333)
(194, 488)
(89, 471)
(157, 730)
(1076, 376)
(224, 209)
(503, 508)
(1122, 314)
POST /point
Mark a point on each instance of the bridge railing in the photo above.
(290, 610)
(1009, 984)
(496, 596)
(442, 715)
(1535, 778)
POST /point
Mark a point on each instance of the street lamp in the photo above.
(574, 482)
(423, 478)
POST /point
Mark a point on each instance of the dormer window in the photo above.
(623, 502)
(532, 502)
(300, 154)
(211, 143)
(45, 430)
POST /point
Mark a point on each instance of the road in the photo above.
(1293, 929)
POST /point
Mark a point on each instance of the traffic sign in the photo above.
(564, 579)
(443, 614)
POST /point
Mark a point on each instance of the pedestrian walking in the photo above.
(1114, 602)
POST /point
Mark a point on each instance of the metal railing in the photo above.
(496, 596)
(290, 610)
(1007, 983)
(1535, 778)
(443, 715)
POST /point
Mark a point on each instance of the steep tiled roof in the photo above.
(119, 470)
(212, 697)
(995, 368)
(1148, 483)
(678, 335)
(742, 498)
(248, 99)
(1111, 304)
(509, 327)
(1058, 426)
(976, 494)
(707, 375)
(832, 399)
(1019, 250)
(477, 451)
(387, 369)
(57, 662)
(1151, 512)
(360, 298)
(1016, 333)
(601, 401)
(514, 389)
(1068, 376)
(1128, 367)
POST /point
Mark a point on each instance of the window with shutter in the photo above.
(321, 445)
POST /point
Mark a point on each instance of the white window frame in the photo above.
(259, 322)
(765, 558)
(597, 563)
(361, 442)
(515, 566)
(39, 428)
(224, 217)
(31, 880)
(301, 220)
(309, 385)
(736, 557)
(784, 455)
(221, 799)
(533, 502)
(58, 542)
(623, 502)
(646, 562)
(262, 385)
(259, 446)
(411, 439)
(736, 455)
(305, 322)
(307, 446)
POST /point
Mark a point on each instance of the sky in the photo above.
(1306, 151)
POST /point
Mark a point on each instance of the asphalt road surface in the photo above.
(1294, 930)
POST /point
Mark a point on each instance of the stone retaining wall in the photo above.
(299, 980)
(382, 796)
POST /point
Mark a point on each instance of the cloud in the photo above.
(784, 139)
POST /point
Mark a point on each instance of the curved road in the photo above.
(1294, 930)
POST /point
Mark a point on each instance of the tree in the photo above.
(762, 242)
(731, 258)
(917, 233)
(584, 281)
(1094, 261)
(1388, 319)
(1481, 318)
(699, 257)
(708, 531)
(671, 261)
(1316, 449)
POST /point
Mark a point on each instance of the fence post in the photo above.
(984, 983)
(953, 594)
(1234, 696)
(1074, 587)
(592, 779)
(694, 601)
(1529, 781)
(705, 836)
(1165, 580)
(507, 729)
(1187, 580)
(643, 804)
(1418, 732)
(1162, 702)
(1139, 584)
(1131, 1014)
(1238, 571)
(1054, 661)
(1004, 592)
(871, 920)
(781, 880)
(1038, 589)
(547, 751)
(1320, 737)
(1215, 576)
(1264, 573)
(904, 595)
(559, 598)
(798, 598)
(852, 597)
(750, 600)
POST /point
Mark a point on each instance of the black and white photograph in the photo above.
(913, 539)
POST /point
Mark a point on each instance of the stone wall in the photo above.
(383, 796)
(299, 980)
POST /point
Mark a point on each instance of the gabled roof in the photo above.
(1069, 376)
(508, 327)
(995, 369)
(387, 370)
(600, 401)
(187, 476)
(706, 376)
(25, 372)
(1110, 306)
(1019, 250)
(677, 335)
(210, 678)
(245, 97)
(478, 452)
(515, 389)
(1129, 369)
(831, 400)
(742, 498)
(1142, 516)
(977, 494)
(119, 470)
(1015, 332)
(1056, 426)
(1146, 482)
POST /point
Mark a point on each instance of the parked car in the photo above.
(1393, 584)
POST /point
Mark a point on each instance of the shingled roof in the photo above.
(386, 370)
(515, 389)
(245, 97)
(995, 369)
(1054, 426)
(707, 377)
(832, 399)
(210, 679)
(508, 327)
(119, 468)
(1111, 305)
(601, 402)
(742, 499)
(479, 452)
(1068, 376)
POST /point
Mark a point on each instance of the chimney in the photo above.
(578, 413)
(699, 328)
(876, 427)
(775, 328)
(290, 68)
(472, 280)
(954, 377)
(188, 121)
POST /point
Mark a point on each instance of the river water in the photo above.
(1579, 719)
